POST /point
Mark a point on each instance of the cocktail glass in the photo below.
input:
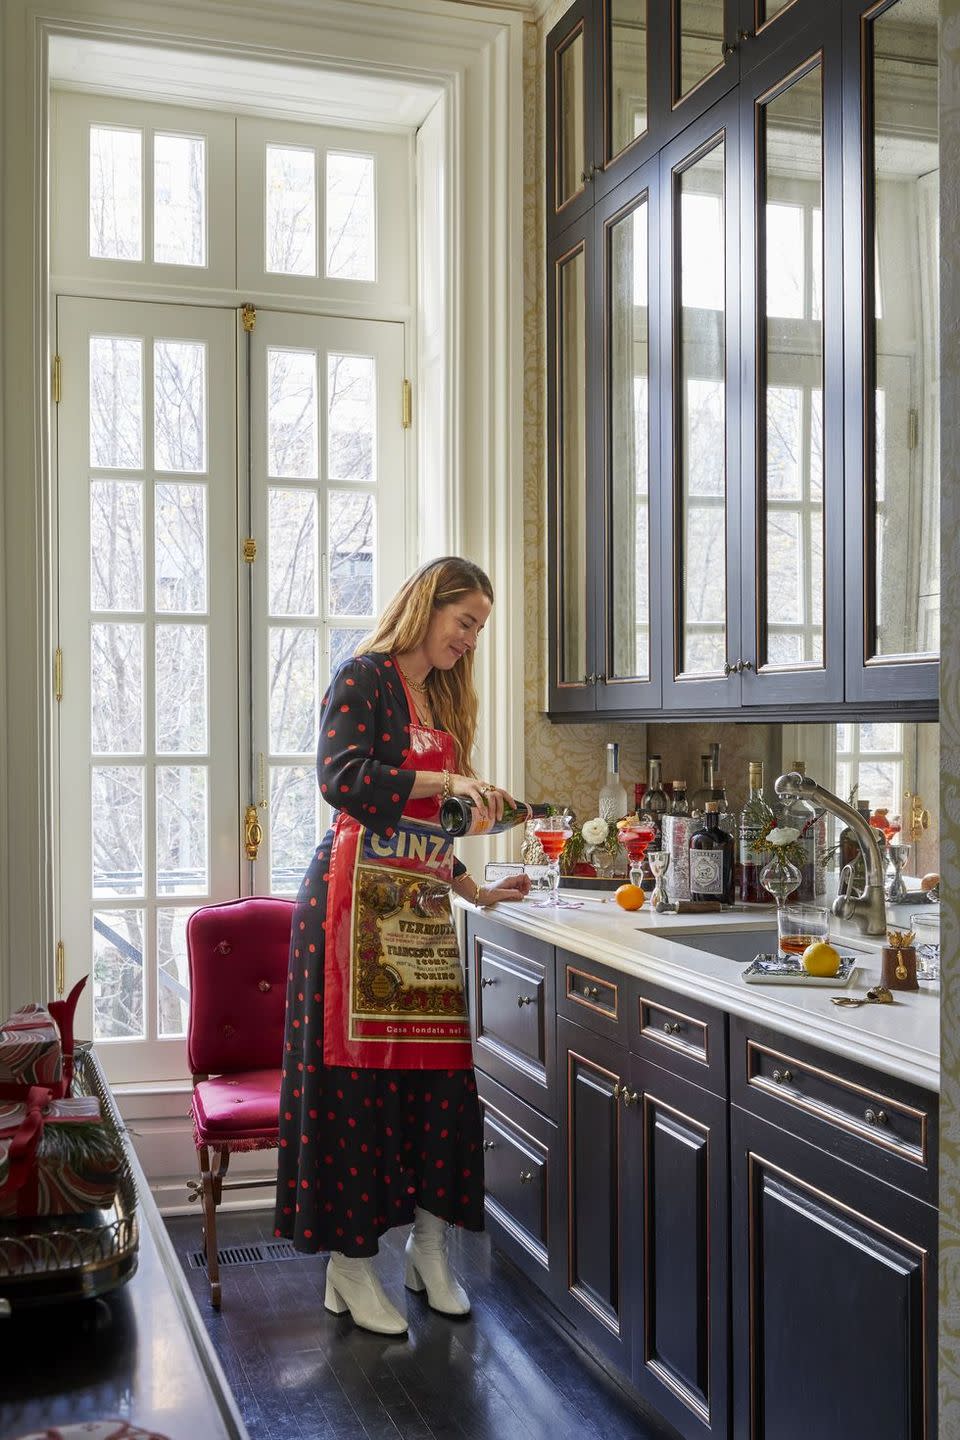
(553, 832)
(635, 839)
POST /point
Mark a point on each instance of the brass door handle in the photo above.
(252, 832)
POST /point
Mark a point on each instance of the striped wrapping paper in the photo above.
(30, 1051)
(75, 1165)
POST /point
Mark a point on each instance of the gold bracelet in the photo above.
(447, 789)
(477, 889)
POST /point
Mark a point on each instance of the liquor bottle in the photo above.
(707, 789)
(655, 803)
(800, 815)
(613, 796)
(639, 790)
(755, 817)
(460, 816)
(678, 805)
(711, 860)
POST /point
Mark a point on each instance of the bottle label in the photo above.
(706, 872)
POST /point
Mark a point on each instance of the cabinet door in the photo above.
(574, 531)
(677, 1175)
(834, 1295)
(700, 443)
(704, 59)
(792, 417)
(891, 159)
(629, 642)
(765, 25)
(572, 159)
(593, 1297)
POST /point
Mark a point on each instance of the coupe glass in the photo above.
(635, 839)
(553, 832)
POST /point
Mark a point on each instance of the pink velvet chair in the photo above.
(238, 955)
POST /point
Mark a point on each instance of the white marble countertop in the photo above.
(902, 1039)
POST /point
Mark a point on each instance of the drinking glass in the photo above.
(926, 929)
(635, 840)
(553, 832)
(799, 926)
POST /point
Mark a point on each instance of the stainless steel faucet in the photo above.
(868, 911)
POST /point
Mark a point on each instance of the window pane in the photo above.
(118, 975)
(701, 234)
(181, 667)
(700, 41)
(293, 552)
(880, 784)
(116, 402)
(628, 68)
(352, 417)
(294, 692)
(180, 542)
(876, 736)
(182, 830)
(785, 259)
(179, 400)
(292, 414)
(351, 217)
(294, 824)
(352, 559)
(116, 194)
(116, 545)
(117, 829)
(179, 200)
(784, 442)
(116, 689)
(291, 211)
(343, 644)
(173, 974)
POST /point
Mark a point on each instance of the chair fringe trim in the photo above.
(252, 1142)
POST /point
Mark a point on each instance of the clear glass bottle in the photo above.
(678, 804)
(711, 860)
(655, 802)
(755, 817)
(613, 796)
(800, 815)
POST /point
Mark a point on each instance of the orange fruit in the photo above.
(629, 897)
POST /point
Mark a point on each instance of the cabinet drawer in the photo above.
(680, 1035)
(513, 1011)
(519, 1161)
(592, 995)
(874, 1121)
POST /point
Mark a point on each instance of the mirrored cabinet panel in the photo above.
(903, 331)
(628, 104)
(571, 137)
(698, 43)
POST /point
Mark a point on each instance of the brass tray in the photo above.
(73, 1257)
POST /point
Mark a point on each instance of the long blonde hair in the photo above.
(403, 626)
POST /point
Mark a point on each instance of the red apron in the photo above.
(393, 984)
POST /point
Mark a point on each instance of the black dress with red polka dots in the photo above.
(360, 1148)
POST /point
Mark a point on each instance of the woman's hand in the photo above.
(489, 799)
(513, 887)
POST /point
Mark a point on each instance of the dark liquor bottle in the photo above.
(655, 802)
(755, 818)
(460, 816)
(711, 860)
(678, 805)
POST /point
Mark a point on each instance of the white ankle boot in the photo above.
(428, 1268)
(352, 1284)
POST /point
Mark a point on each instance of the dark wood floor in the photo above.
(504, 1373)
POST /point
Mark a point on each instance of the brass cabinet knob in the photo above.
(526, 1000)
(630, 1097)
(875, 1117)
(591, 992)
(783, 1077)
(671, 1027)
(617, 1091)
(487, 980)
(489, 1144)
(526, 1176)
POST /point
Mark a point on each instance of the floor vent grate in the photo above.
(244, 1254)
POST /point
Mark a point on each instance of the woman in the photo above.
(379, 1116)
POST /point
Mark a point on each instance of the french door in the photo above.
(192, 674)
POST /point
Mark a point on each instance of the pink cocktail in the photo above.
(553, 832)
(636, 839)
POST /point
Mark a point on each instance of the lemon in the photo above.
(629, 897)
(820, 958)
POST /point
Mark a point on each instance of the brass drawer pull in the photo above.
(526, 1176)
(671, 1027)
(591, 992)
(630, 1097)
(489, 1144)
(876, 1117)
(487, 980)
(783, 1077)
(526, 1000)
(618, 1090)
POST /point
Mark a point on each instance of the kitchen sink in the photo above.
(738, 945)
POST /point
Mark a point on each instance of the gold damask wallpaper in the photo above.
(950, 723)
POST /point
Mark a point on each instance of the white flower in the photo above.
(595, 831)
(782, 835)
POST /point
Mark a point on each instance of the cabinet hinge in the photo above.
(913, 429)
(55, 380)
(58, 674)
(406, 405)
(248, 315)
(61, 975)
(250, 550)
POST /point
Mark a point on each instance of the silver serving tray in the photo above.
(72, 1257)
(774, 970)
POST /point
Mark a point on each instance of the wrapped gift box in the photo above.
(30, 1052)
(56, 1157)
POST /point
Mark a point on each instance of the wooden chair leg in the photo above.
(210, 1196)
(223, 1165)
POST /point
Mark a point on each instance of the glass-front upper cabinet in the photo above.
(893, 458)
(703, 53)
(792, 646)
(573, 531)
(626, 42)
(572, 110)
(699, 426)
(627, 231)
